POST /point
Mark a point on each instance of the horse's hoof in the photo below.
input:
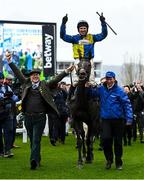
(84, 159)
(80, 166)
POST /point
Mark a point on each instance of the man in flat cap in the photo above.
(37, 101)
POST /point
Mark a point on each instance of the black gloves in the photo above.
(102, 18)
(65, 19)
(8, 94)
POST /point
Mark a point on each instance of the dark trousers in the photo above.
(134, 129)
(57, 127)
(14, 129)
(127, 135)
(35, 125)
(1, 141)
(53, 126)
(7, 127)
(62, 127)
(112, 133)
(139, 121)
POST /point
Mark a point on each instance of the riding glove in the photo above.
(65, 19)
(102, 18)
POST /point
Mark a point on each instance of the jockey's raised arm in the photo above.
(83, 43)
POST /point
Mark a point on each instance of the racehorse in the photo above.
(84, 109)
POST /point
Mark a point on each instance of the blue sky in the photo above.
(125, 16)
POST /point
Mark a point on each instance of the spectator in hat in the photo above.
(37, 101)
(115, 109)
(9, 81)
(7, 98)
(83, 43)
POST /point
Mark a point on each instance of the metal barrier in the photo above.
(24, 131)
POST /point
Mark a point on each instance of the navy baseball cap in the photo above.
(110, 74)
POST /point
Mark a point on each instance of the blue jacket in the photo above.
(83, 45)
(7, 100)
(114, 103)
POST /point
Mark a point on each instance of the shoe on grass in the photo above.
(8, 154)
(119, 167)
(15, 146)
(108, 165)
(34, 164)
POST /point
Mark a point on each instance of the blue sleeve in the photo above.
(93, 92)
(102, 35)
(1, 95)
(64, 36)
(15, 98)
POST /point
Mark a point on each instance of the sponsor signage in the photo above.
(49, 49)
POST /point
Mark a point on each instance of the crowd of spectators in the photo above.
(10, 93)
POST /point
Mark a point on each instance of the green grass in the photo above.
(60, 162)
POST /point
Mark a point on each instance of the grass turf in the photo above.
(60, 162)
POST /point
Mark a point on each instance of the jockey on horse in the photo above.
(83, 44)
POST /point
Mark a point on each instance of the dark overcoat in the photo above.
(45, 88)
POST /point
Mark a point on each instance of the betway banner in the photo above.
(49, 49)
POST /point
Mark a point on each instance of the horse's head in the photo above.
(84, 70)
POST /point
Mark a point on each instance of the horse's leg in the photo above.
(83, 144)
(89, 142)
(79, 143)
(79, 147)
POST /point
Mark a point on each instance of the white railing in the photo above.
(24, 131)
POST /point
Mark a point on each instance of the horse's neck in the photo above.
(80, 87)
(80, 92)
